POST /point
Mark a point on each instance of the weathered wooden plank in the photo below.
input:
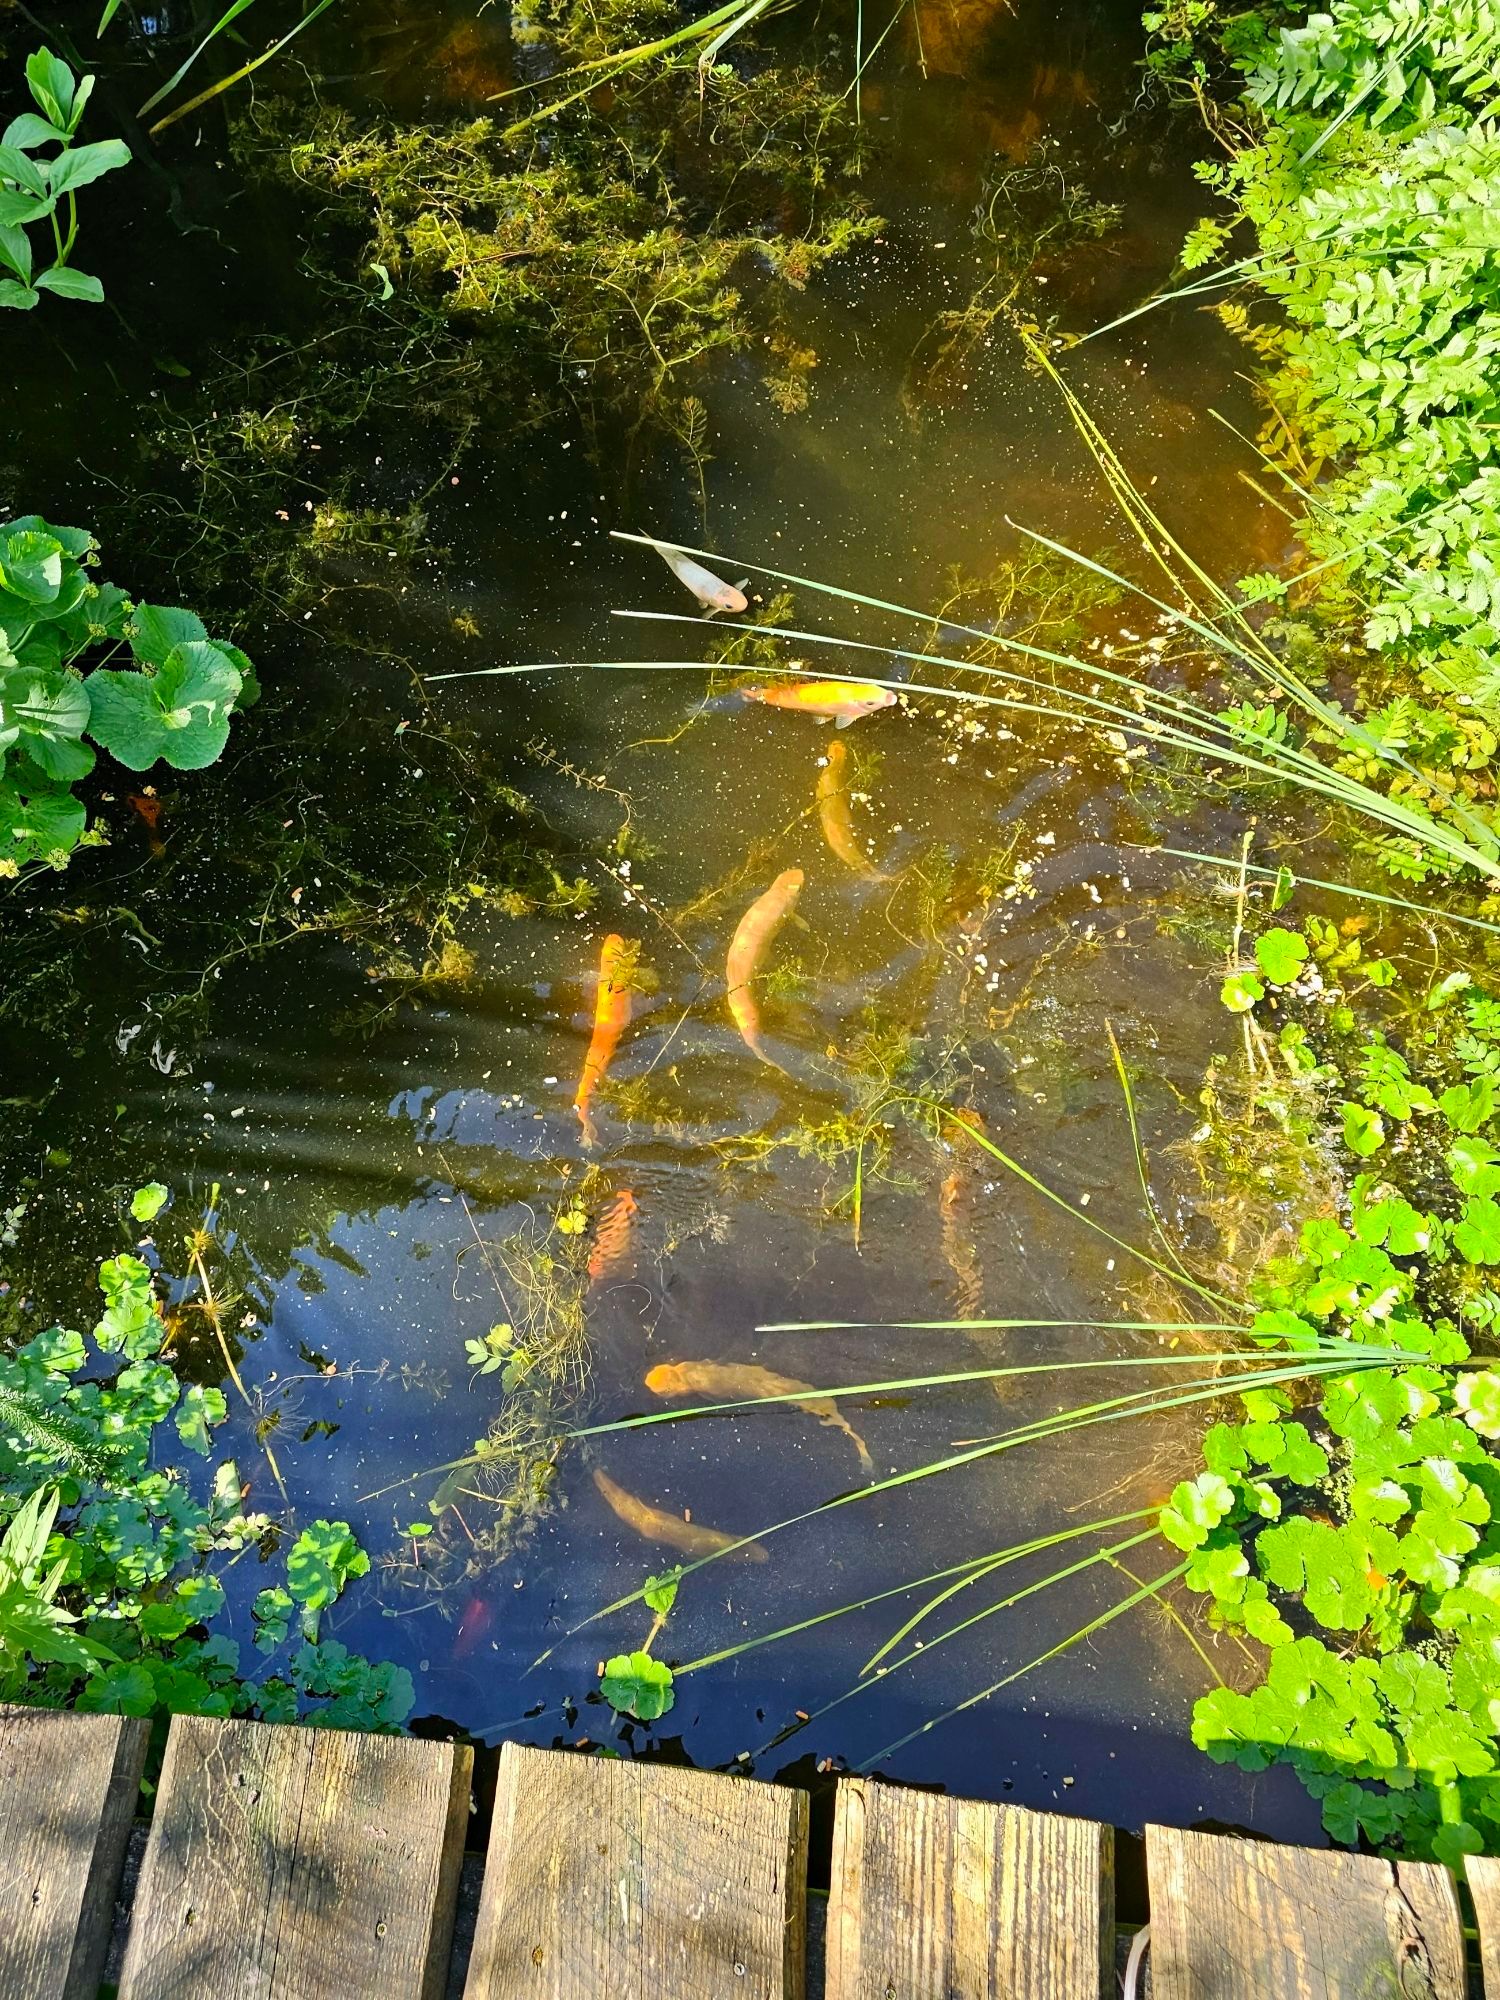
(298, 1864)
(68, 1787)
(1243, 1920)
(1483, 1873)
(614, 1880)
(933, 1898)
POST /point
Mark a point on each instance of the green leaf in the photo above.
(51, 84)
(198, 1409)
(82, 164)
(635, 1684)
(324, 1558)
(1195, 1509)
(272, 1611)
(147, 1202)
(659, 1593)
(1337, 1571)
(70, 284)
(31, 564)
(1364, 1130)
(155, 629)
(18, 209)
(29, 131)
(180, 713)
(38, 823)
(1467, 1106)
(1281, 955)
(1240, 992)
(1477, 1236)
(1478, 1396)
(23, 170)
(15, 254)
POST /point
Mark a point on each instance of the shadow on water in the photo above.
(386, 1102)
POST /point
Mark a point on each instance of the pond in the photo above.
(401, 1166)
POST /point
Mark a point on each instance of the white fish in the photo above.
(711, 591)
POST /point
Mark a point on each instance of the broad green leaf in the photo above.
(195, 1413)
(38, 823)
(180, 713)
(31, 564)
(29, 131)
(147, 1202)
(20, 168)
(635, 1684)
(15, 253)
(154, 630)
(659, 1593)
(1468, 1106)
(1478, 1396)
(67, 283)
(1364, 1130)
(1281, 955)
(51, 84)
(18, 209)
(1476, 1236)
(323, 1559)
(1195, 1509)
(82, 164)
(19, 297)
(1240, 991)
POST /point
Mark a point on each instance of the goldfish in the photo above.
(611, 1018)
(711, 591)
(655, 1525)
(840, 702)
(612, 1237)
(147, 808)
(757, 927)
(478, 1617)
(833, 812)
(731, 1381)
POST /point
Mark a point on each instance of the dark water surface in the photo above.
(376, 1178)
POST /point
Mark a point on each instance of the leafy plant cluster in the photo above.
(59, 629)
(1370, 176)
(32, 189)
(1357, 1537)
(112, 1569)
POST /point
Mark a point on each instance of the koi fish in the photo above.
(840, 702)
(711, 591)
(611, 1018)
(757, 927)
(655, 1525)
(833, 813)
(732, 1381)
(612, 1237)
(147, 808)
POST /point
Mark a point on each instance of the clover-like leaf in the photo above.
(324, 1557)
(635, 1684)
(1478, 1396)
(198, 1410)
(659, 1593)
(147, 1202)
(1468, 1106)
(1241, 990)
(1364, 1129)
(1195, 1509)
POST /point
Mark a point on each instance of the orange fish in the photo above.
(757, 927)
(147, 807)
(658, 1526)
(612, 1237)
(734, 1381)
(840, 702)
(833, 813)
(611, 1018)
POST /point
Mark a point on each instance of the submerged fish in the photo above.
(841, 702)
(472, 1627)
(147, 808)
(833, 813)
(612, 1237)
(731, 1381)
(655, 1525)
(757, 927)
(611, 1017)
(711, 591)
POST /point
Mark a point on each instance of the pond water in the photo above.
(393, 1166)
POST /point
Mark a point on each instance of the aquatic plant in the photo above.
(111, 1570)
(32, 188)
(1366, 1515)
(173, 706)
(220, 27)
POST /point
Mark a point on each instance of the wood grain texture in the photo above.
(68, 1789)
(1483, 1875)
(298, 1864)
(933, 1898)
(1243, 1920)
(612, 1880)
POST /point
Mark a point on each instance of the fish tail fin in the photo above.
(590, 1131)
(866, 1463)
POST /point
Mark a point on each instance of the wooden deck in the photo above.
(293, 1864)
